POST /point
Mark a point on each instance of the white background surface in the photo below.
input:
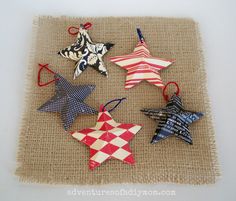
(217, 21)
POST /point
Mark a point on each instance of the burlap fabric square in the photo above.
(47, 154)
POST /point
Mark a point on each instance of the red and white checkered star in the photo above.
(107, 139)
(141, 65)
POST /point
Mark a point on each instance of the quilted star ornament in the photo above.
(85, 52)
(173, 120)
(107, 139)
(68, 100)
(141, 65)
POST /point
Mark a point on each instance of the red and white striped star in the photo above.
(107, 139)
(141, 65)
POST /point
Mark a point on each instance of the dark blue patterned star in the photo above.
(69, 101)
(86, 53)
(173, 120)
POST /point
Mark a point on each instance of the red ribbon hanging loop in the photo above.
(166, 97)
(41, 67)
(75, 30)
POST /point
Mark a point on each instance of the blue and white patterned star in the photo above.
(69, 101)
(173, 120)
(86, 53)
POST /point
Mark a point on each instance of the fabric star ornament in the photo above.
(68, 100)
(141, 65)
(107, 139)
(85, 52)
(173, 120)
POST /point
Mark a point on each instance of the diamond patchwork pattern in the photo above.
(107, 139)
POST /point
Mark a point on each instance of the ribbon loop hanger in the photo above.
(72, 30)
(41, 67)
(140, 35)
(166, 97)
(118, 100)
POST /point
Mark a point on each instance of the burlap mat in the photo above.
(47, 154)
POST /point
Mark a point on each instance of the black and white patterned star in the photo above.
(86, 53)
(173, 120)
(68, 100)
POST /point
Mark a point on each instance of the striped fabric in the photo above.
(107, 139)
(141, 65)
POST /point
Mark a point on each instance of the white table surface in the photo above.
(217, 21)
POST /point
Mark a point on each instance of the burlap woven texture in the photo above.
(47, 154)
